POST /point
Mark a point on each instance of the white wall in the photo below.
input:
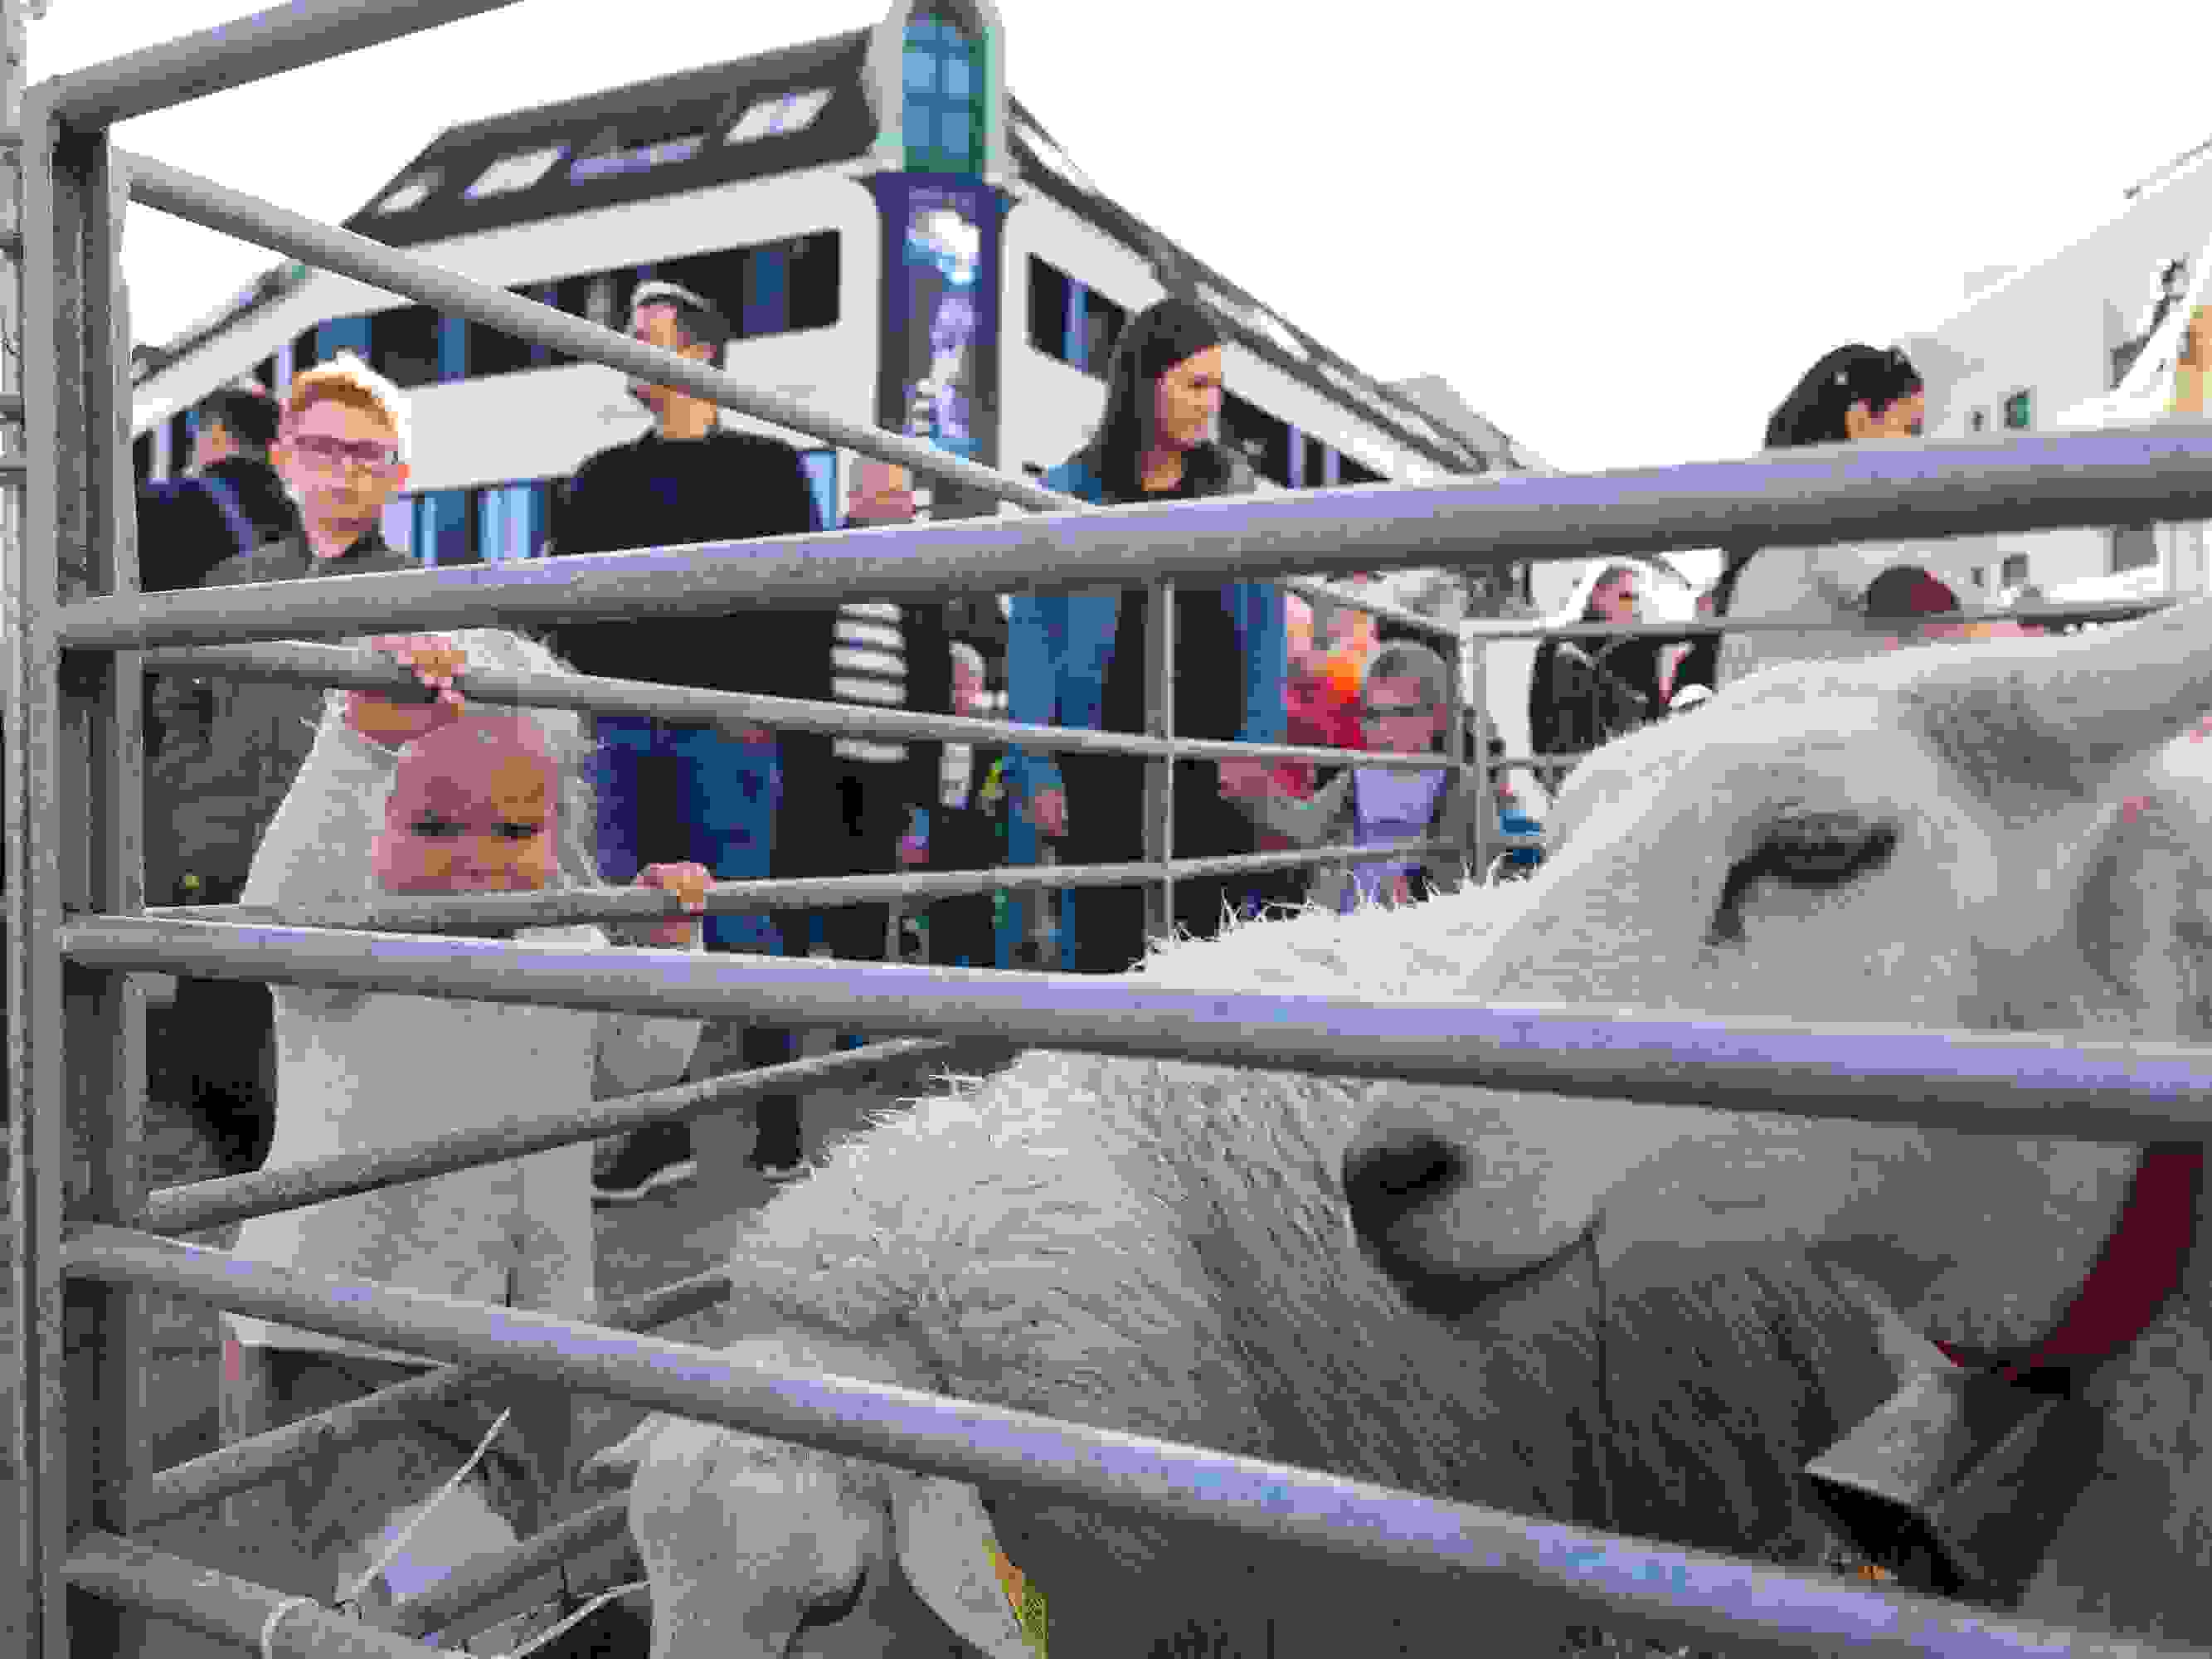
(540, 422)
(2050, 328)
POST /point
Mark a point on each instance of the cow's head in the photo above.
(2004, 835)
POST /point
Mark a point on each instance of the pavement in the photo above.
(663, 1238)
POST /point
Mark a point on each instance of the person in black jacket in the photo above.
(1583, 693)
(746, 803)
(231, 501)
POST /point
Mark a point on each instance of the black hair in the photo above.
(1814, 412)
(247, 413)
(696, 319)
(1152, 342)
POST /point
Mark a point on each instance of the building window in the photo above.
(822, 478)
(2017, 412)
(1314, 473)
(1980, 575)
(344, 334)
(2014, 572)
(817, 274)
(515, 172)
(180, 442)
(1352, 472)
(445, 529)
(2134, 546)
(264, 375)
(142, 458)
(1978, 421)
(404, 346)
(303, 351)
(1259, 436)
(1048, 302)
(944, 126)
(511, 520)
(1102, 326)
(782, 112)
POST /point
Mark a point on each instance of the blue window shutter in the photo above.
(453, 349)
(491, 524)
(1073, 355)
(453, 526)
(822, 477)
(767, 291)
(1297, 459)
(283, 370)
(344, 334)
(1332, 467)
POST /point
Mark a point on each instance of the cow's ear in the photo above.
(2066, 716)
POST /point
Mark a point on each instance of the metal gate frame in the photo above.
(90, 1238)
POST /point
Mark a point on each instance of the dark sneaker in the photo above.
(645, 1162)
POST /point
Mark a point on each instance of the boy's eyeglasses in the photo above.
(336, 455)
(1370, 713)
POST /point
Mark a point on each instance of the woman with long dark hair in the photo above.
(1079, 660)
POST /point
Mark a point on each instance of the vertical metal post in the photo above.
(74, 781)
(1470, 718)
(1159, 775)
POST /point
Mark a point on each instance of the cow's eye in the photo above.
(1814, 852)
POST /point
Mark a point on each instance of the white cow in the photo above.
(1940, 835)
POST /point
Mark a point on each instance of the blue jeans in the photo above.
(666, 794)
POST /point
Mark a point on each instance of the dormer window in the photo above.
(944, 79)
(513, 173)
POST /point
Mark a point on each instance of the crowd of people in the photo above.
(264, 793)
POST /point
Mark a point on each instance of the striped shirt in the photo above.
(868, 665)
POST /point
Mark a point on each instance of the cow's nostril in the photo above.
(1385, 1179)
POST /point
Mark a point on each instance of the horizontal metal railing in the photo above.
(1961, 1079)
(2100, 1092)
(1621, 1580)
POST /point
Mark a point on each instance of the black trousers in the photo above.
(1105, 822)
(212, 1052)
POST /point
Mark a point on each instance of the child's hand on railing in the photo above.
(1049, 809)
(436, 662)
(688, 883)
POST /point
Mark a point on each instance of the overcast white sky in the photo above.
(1621, 231)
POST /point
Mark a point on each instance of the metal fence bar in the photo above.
(205, 202)
(2008, 1082)
(236, 53)
(205, 1204)
(473, 1588)
(248, 1463)
(123, 1573)
(73, 800)
(1160, 771)
(2087, 612)
(501, 911)
(1928, 488)
(1556, 1569)
(350, 667)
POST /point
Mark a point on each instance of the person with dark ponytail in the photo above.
(1079, 660)
(1854, 393)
